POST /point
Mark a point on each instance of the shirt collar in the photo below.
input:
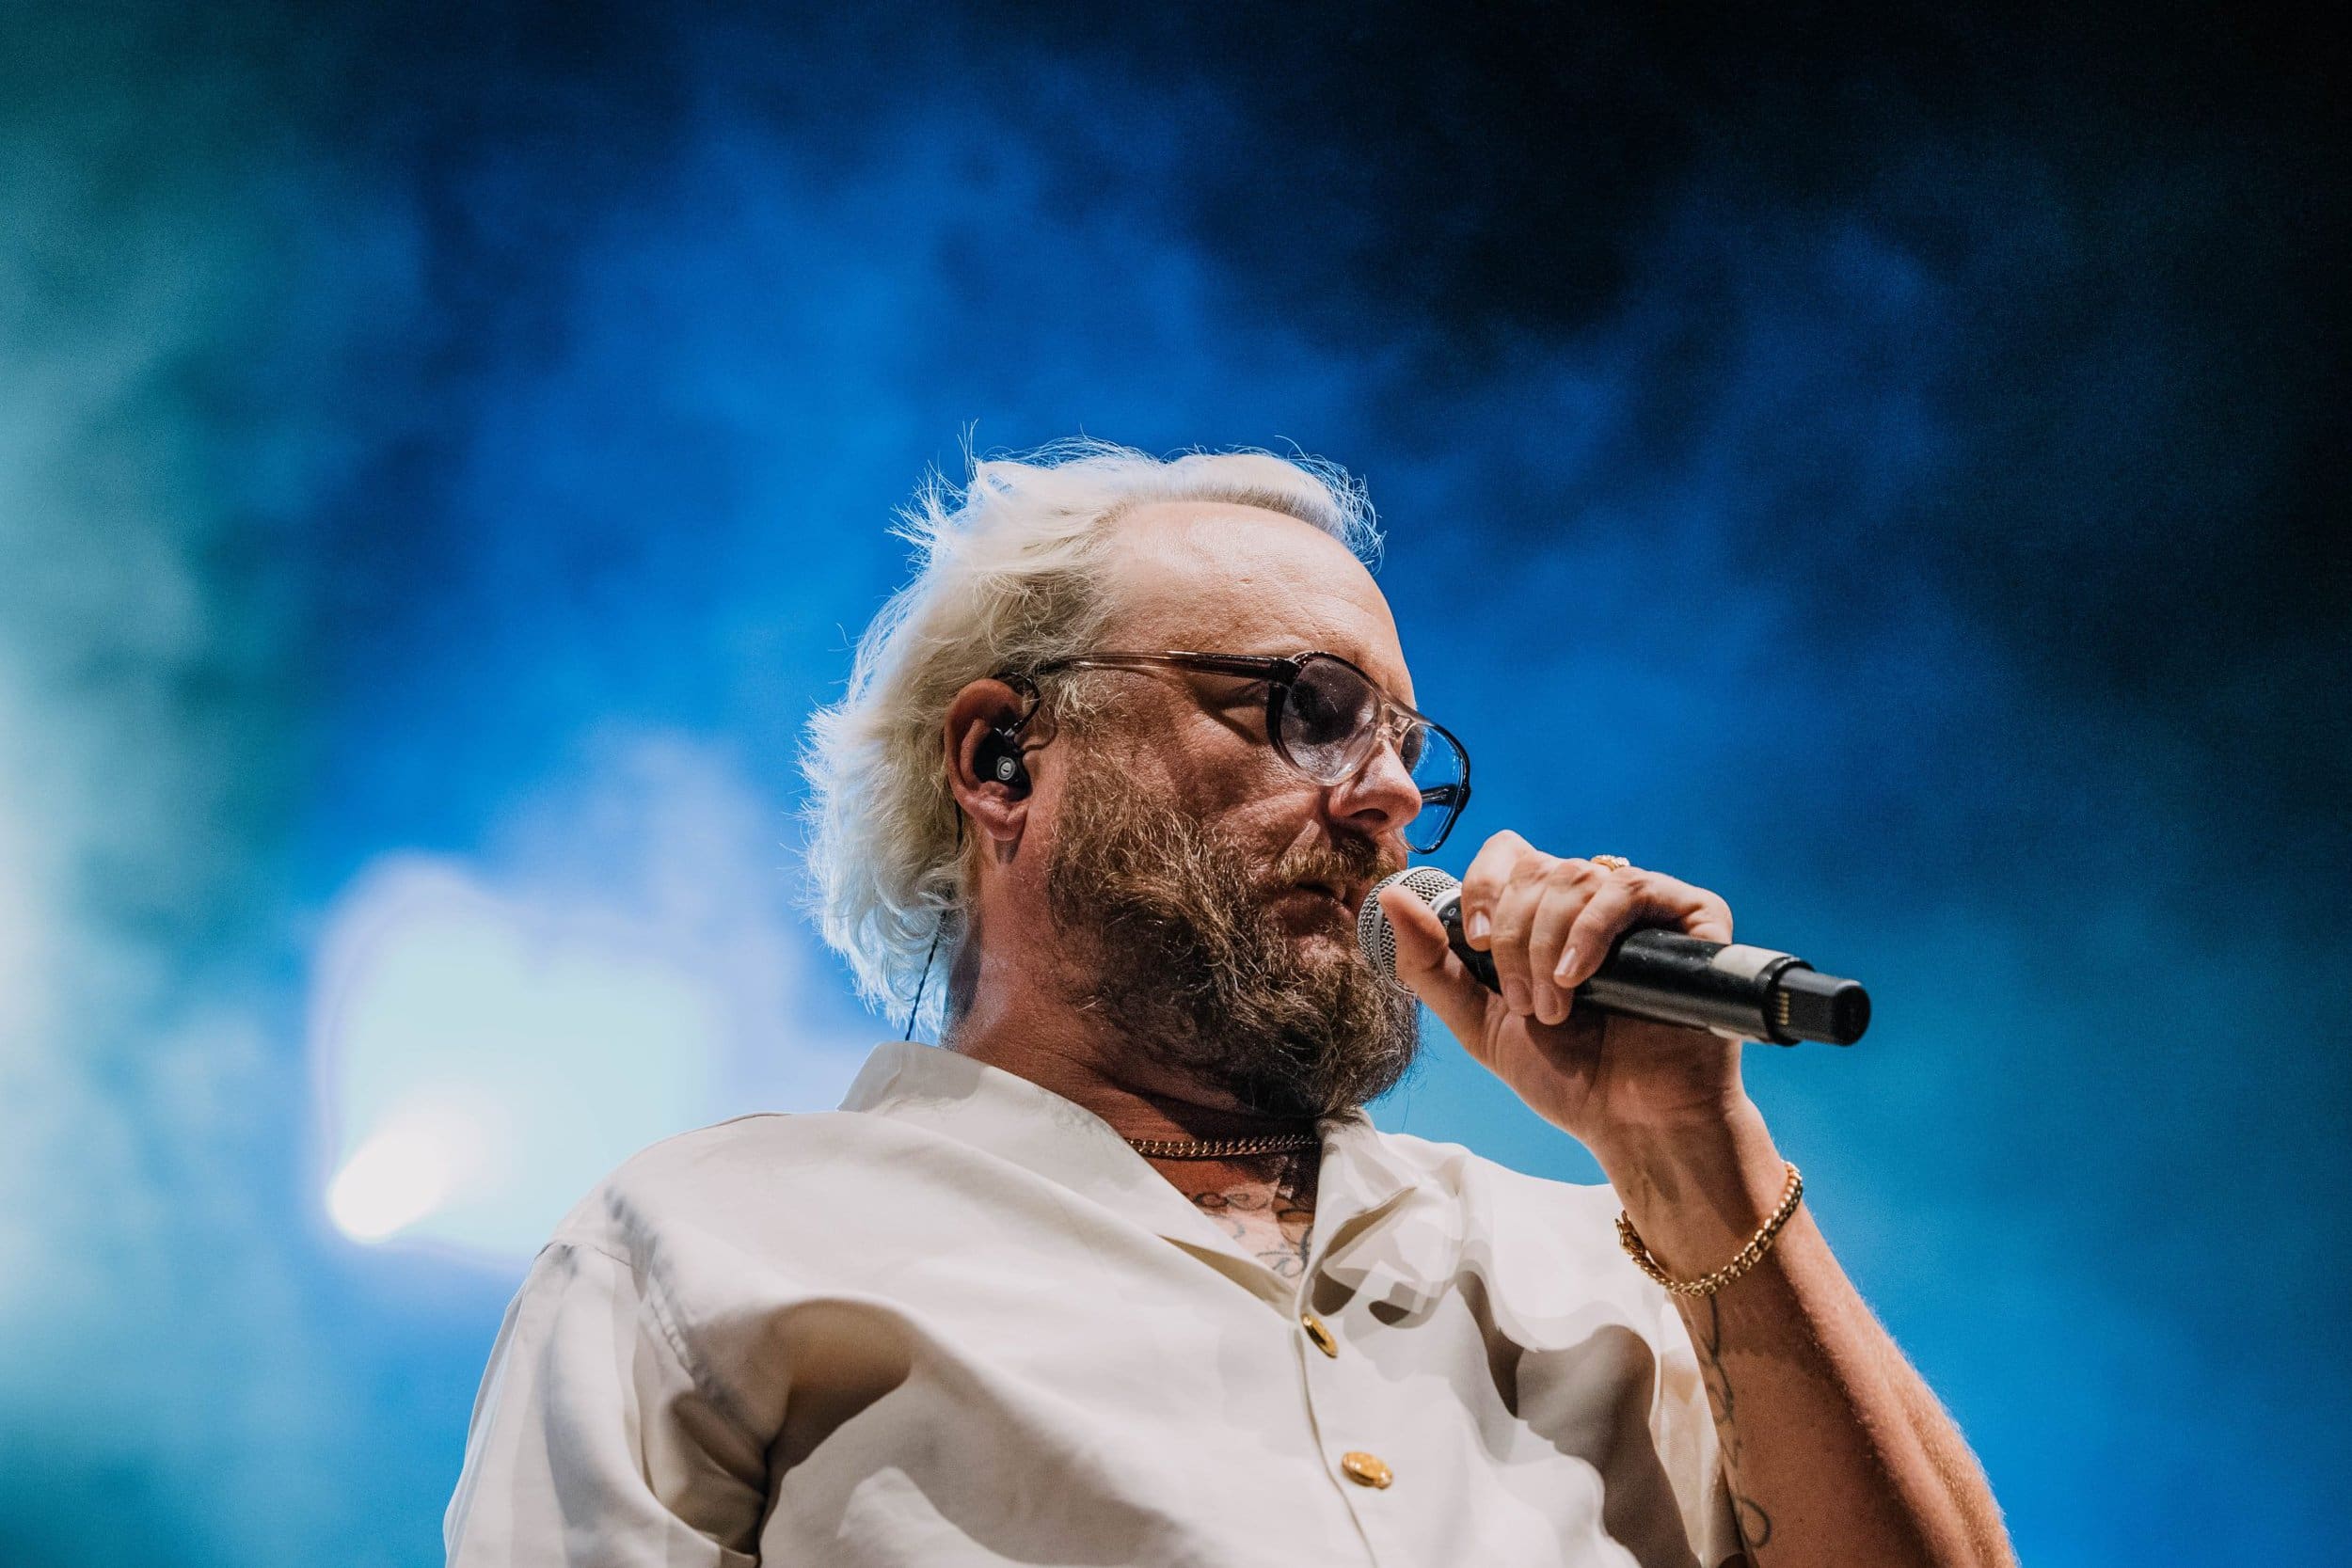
(1362, 1174)
(1006, 1115)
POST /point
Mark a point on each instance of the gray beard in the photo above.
(1190, 962)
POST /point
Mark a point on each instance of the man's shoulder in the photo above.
(753, 1134)
(710, 1169)
(1544, 1242)
(1498, 1193)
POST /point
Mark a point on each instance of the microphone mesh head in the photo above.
(1373, 933)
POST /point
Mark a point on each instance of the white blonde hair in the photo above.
(1008, 574)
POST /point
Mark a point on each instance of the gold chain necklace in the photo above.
(1222, 1148)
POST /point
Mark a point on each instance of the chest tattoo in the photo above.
(1270, 1218)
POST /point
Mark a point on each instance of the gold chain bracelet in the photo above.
(1747, 1257)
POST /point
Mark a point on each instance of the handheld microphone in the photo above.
(1736, 991)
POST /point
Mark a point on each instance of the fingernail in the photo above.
(1515, 994)
(1567, 966)
(1477, 927)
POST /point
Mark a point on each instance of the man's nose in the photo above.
(1380, 797)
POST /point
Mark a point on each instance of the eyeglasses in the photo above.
(1327, 717)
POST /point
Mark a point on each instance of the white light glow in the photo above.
(490, 1043)
(404, 1173)
(569, 1042)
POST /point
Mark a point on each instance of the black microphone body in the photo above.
(1734, 990)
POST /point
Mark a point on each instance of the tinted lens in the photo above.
(1328, 720)
(1438, 769)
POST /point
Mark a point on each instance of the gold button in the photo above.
(1366, 1469)
(1320, 1335)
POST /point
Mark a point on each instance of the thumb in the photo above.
(1426, 965)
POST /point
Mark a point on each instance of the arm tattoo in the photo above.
(1753, 1525)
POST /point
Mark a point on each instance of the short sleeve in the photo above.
(591, 1445)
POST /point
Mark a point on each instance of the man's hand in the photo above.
(1549, 923)
(1839, 1455)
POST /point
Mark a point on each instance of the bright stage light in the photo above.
(489, 1057)
(491, 1040)
(405, 1172)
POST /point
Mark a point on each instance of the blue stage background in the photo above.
(1885, 467)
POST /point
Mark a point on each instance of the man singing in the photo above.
(1122, 1272)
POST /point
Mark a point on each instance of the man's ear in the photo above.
(988, 743)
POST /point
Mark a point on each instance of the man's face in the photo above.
(1207, 889)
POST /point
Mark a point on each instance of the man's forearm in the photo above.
(1835, 1449)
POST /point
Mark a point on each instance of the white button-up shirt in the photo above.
(960, 1322)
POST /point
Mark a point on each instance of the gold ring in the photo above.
(1614, 863)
